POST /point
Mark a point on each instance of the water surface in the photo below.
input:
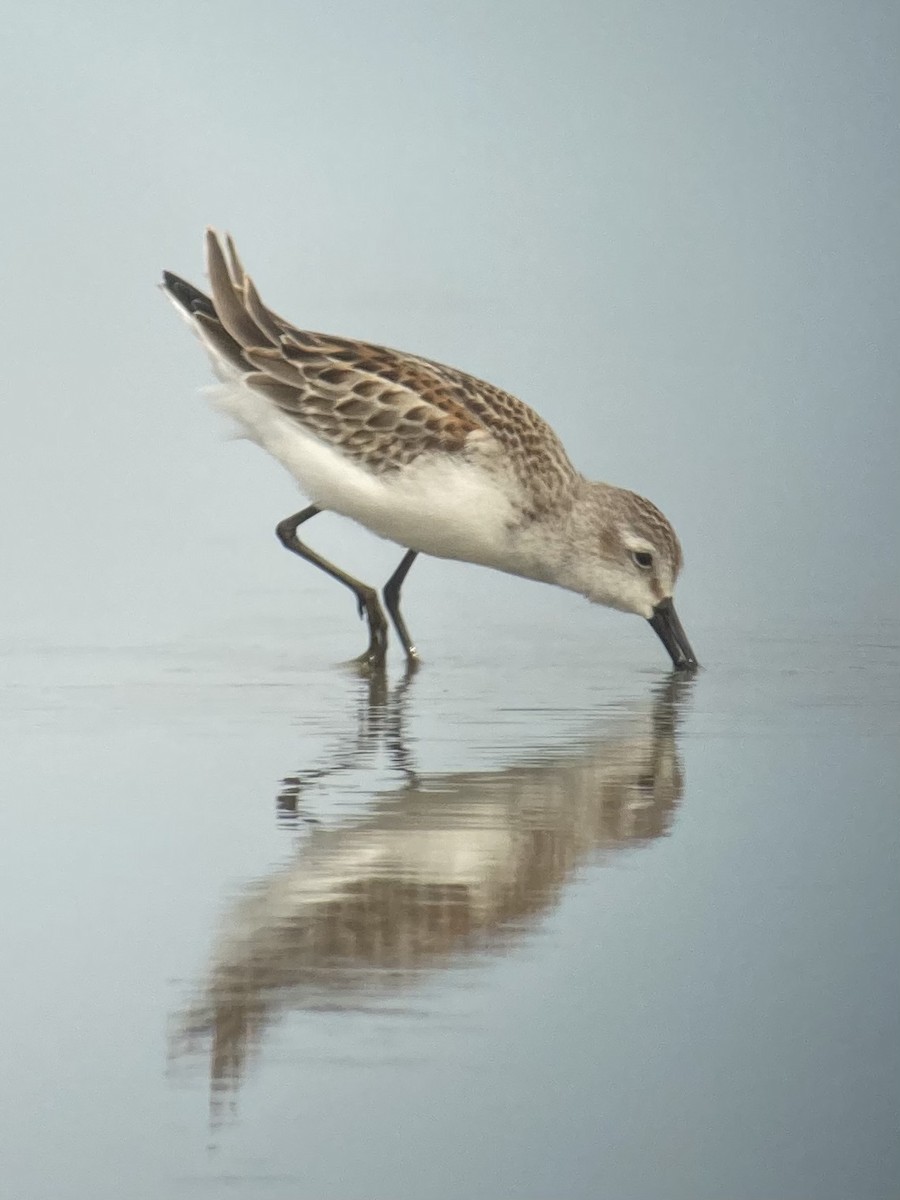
(522, 924)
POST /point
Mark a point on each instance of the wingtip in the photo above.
(217, 259)
(213, 244)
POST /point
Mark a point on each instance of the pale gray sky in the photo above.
(672, 228)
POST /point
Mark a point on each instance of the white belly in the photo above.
(438, 506)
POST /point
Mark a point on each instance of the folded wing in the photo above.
(379, 406)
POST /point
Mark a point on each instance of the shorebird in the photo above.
(425, 456)
(440, 871)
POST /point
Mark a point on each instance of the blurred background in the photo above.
(666, 963)
(672, 228)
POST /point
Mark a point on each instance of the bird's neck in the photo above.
(586, 538)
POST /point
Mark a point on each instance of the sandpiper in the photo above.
(428, 457)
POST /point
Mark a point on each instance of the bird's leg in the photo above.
(391, 593)
(366, 597)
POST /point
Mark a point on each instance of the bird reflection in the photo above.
(443, 869)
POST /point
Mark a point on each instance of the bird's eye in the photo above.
(642, 559)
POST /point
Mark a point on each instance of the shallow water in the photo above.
(530, 923)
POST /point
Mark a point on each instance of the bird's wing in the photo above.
(381, 407)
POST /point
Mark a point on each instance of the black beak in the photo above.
(668, 629)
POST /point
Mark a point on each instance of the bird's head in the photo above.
(626, 555)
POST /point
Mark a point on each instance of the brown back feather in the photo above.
(381, 407)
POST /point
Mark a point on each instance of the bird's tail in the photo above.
(188, 298)
(233, 320)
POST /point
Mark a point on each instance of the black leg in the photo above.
(366, 597)
(391, 595)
